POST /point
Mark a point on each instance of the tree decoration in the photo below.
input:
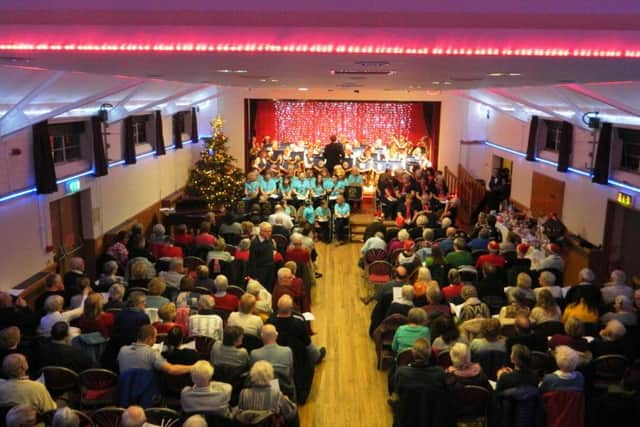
(215, 178)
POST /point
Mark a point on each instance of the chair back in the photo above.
(379, 272)
(375, 255)
(162, 416)
(59, 380)
(231, 238)
(564, 408)
(520, 406)
(405, 357)
(609, 369)
(547, 329)
(248, 418)
(192, 262)
(542, 363)
(108, 417)
(281, 242)
(472, 403)
(491, 361)
(235, 290)
(5, 407)
(98, 387)
(443, 359)
(203, 345)
(393, 256)
(172, 385)
(201, 290)
(508, 330)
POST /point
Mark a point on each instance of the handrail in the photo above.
(469, 191)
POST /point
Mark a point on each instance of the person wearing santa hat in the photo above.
(553, 260)
(492, 257)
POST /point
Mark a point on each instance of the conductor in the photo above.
(333, 153)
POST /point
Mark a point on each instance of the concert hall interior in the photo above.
(364, 195)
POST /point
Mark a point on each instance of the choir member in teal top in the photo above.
(323, 215)
(299, 186)
(251, 185)
(341, 212)
(309, 213)
(328, 184)
(268, 186)
(286, 187)
(317, 190)
(355, 179)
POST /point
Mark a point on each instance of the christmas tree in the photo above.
(215, 178)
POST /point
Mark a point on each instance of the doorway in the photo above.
(622, 233)
(66, 229)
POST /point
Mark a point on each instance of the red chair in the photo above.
(379, 272)
(374, 255)
(393, 257)
(564, 408)
(98, 387)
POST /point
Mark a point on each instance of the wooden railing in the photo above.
(470, 191)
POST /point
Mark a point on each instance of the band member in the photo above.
(261, 162)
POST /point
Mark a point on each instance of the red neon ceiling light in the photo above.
(320, 49)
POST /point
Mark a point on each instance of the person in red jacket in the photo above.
(93, 319)
(182, 236)
(224, 301)
(296, 252)
(492, 257)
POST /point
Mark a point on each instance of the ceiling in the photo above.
(554, 58)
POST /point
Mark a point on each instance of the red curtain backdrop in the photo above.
(289, 121)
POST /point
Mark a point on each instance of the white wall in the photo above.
(25, 221)
(585, 203)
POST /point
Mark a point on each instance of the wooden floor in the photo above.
(347, 390)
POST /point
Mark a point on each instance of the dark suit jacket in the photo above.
(280, 229)
(128, 323)
(72, 287)
(261, 266)
(23, 318)
(333, 153)
(55, 354)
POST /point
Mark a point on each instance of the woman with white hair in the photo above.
(53, 305)
(109, 276)
(65, 417)
(547, 280)
(21, 416)
(261, 396)
(623, 310)
(398, 242)
(616, 286)
(205, 395)
(463, 371)
(565, 378)
(263, 306)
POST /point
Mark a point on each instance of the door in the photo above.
(547, 195)
(622, 231)
(66, 229)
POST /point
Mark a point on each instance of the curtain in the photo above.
(565, 146)
(177, 124)
(45, 170)
(100, 162)
(291, 121)
(533, 139)
(431, 112)
(602, 163)
(194, 126)
(159, 143)
(129, 144)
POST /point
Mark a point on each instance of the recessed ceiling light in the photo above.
(240, 71)
(274, 80)
(514, 74)
(446, 83)
(224, 70)
(496, 74)
(303, 89)
(435, 83)
(263, 80)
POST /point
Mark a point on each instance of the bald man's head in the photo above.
(269, 334)
(133, 417)
(285, 304)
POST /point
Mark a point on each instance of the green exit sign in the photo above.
(72, 186)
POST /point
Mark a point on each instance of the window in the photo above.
(140, 132)
(554, 135)
(65, 148)
(630, 158)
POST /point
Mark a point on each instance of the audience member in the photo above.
(521, 373)
(175, 274)
(94, 319)
(616, 286)
(59, 351)
(23, 415)
(623, 311)
(131, 318)
(262, 396)
(462, 371)
(565, 378)
(206, 396)
(173, 351)
(116, 295)
(224, 300)
(18, 388)
(415, 328)
(229, 352)
(206, 322)
(53, 306)
(244, 317)
(65, 417)
(472, 307)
